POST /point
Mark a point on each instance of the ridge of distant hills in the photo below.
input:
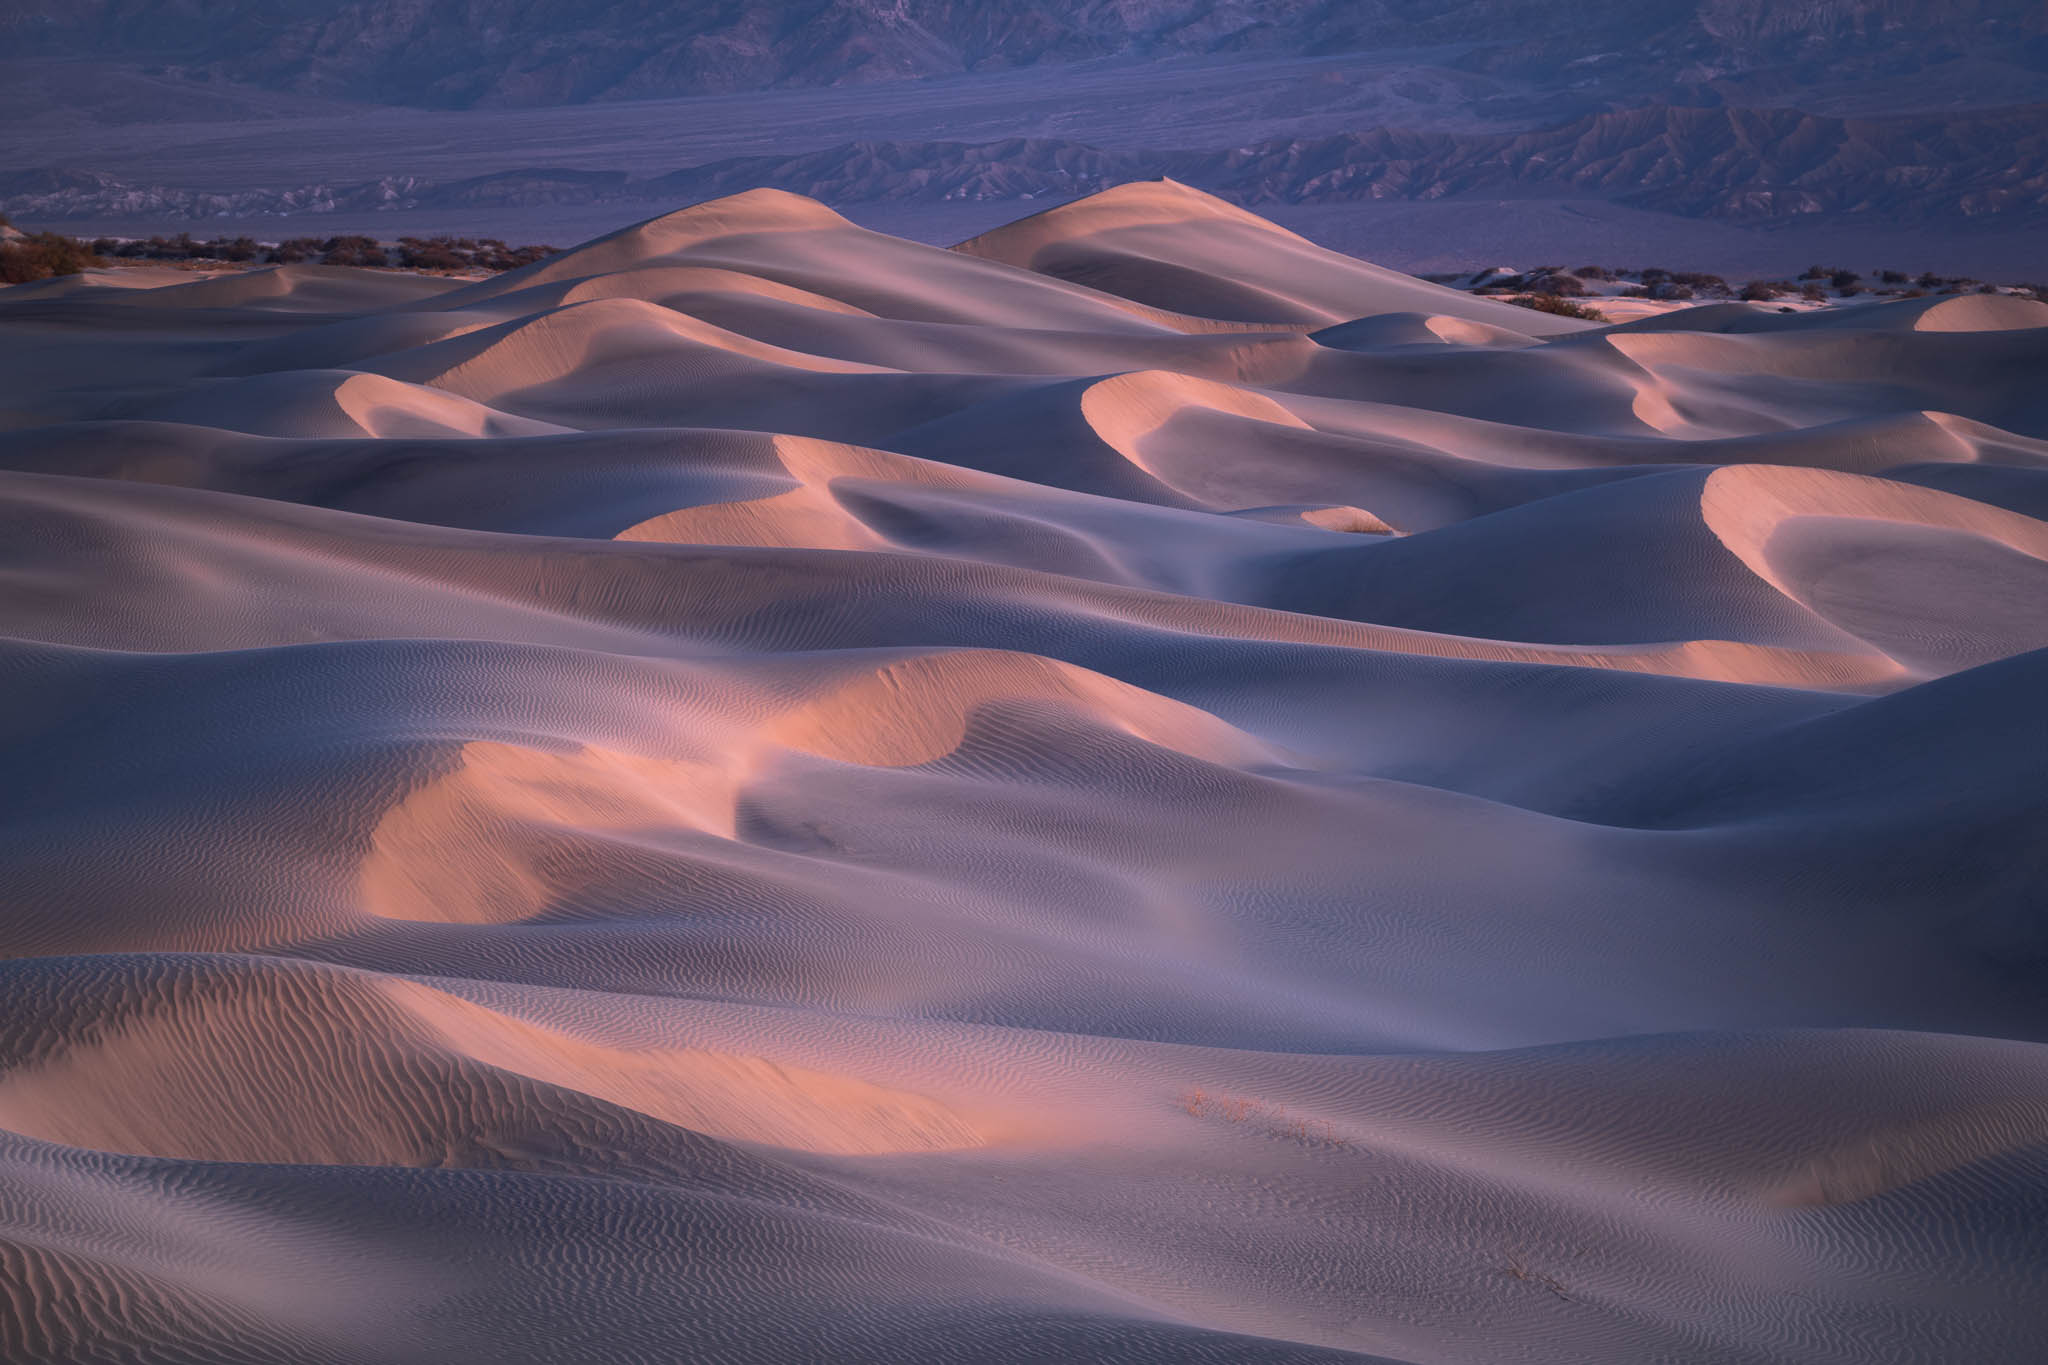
(460, 53)
(1744, 164)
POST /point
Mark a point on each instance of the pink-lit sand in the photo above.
(1135, 790)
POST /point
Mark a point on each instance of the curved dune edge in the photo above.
(917, 711)
(523, 354)
(725, 1095)
(326, 1067)
(385, 408)
(805, 517)
(756, 211)
(1747, 504)
(1982, 313)
(1127, 408)
(1150, 242)
(1786, 525)
(472, 844)
(1138, 204)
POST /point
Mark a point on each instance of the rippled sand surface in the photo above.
(1135, 791)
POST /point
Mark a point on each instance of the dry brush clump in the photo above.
(1557, 306)
(42, 256)
(353, 249)
(1678, 285)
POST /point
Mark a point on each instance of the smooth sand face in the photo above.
(1133, 791)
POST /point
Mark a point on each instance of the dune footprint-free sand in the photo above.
(1134, 791)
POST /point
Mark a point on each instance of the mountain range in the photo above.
(1741, 164)
(460, 53)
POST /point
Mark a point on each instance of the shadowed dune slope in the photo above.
(1131, 791)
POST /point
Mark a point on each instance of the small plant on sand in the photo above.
(1558, 306)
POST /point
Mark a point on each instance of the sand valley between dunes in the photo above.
(1134, 790)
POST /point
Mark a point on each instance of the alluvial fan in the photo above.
(1135, 790)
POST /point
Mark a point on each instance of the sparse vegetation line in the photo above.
(47, 254)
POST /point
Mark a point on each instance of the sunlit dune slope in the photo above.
(1132, 791)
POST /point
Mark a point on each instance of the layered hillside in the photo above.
(536, 52)
(1741, 164)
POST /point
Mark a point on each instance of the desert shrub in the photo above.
(1987, 289)
(476, 253)
(1763, 291)
(42, 256)
(1844, 279)
(352, 251)
(418, 253)
(1705, 284)
(1594, 272)
(1814, 293)
(1558, 307)
(512, 258)
(1892, 276)
(433, 253)
(1816, 272)
(1662, 288)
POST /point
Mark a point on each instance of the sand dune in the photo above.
(1132, 791)
(1161, 243)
